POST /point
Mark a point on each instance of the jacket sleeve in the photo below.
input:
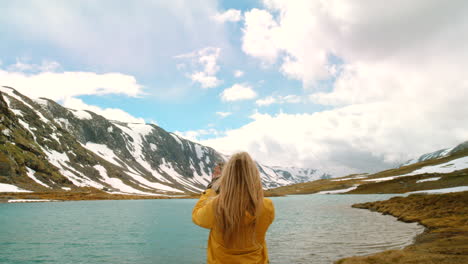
(203, 213)
(271, 209)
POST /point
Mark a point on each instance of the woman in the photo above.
(238, 217)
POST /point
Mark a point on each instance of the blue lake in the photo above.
(307, 228)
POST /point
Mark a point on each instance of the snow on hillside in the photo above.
(444, 190)
(339, 191)
(451, 166)
(10, 188)
(447, 167)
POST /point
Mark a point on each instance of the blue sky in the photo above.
(170, 98)
(321, 84)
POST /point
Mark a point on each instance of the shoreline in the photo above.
(91, 194)
(85, 194)
(444, 239)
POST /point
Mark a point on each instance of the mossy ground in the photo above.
(445, 239)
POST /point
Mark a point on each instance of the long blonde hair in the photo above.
(240, 192)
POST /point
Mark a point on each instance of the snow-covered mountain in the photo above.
(438, 154)
(44, 146)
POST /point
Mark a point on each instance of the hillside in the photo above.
(439, 172)
(46, 147)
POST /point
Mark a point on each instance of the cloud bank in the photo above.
(398, 82)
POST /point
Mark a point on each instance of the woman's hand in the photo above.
(216, 173)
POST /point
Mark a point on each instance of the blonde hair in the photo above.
(240, 192)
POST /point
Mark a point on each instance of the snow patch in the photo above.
(444, 190)
(339, 191)
(30, 173)
(176, 139)
(64, 123)
(29, 201)
(428, 179)
(447, 167)
(142, 129)
(103, 151)
(203, 179)
(59, 159)
(199, 151)
(117, 183)
(154, 185)
(6, 132)
(167, 168)
(40, 101)
(346, 179)
(153, 147)
(17, 112)
(54, 136)
(81, 114)
(10, 93)
(11, 188)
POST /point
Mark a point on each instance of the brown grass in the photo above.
(81, 194)
(409, 183)
(445, 239)
(311, 187)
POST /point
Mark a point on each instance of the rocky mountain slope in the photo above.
(45, 146)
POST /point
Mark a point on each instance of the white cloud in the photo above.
(238, 92)
(223, 114)
(266, 101)
(292, 99)
(205, 66)
(109, 113)
(305, 34)
(63, 86)
(60, 85)
(22, 65)
(231, 15)
(259, 36)
(134, 37)
(195, 135)
(357, 138)
(238, 73)
(205, 80)
(400, 89)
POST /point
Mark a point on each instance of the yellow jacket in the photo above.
(203, 215)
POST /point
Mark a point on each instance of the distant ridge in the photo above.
(438, 154)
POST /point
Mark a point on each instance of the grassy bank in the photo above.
(410, 183)
(445, 240)
(397, 185)
(82, 194)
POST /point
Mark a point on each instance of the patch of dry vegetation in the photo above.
(445, 239)
(81, 194)
(311, 187)
(410, 184)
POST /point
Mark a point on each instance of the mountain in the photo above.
(438, 154)
(436, 172)
(45, 146)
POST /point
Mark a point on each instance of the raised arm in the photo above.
(203, 213)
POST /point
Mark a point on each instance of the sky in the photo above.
(344, 86)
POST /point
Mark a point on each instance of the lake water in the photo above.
(307, 228)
